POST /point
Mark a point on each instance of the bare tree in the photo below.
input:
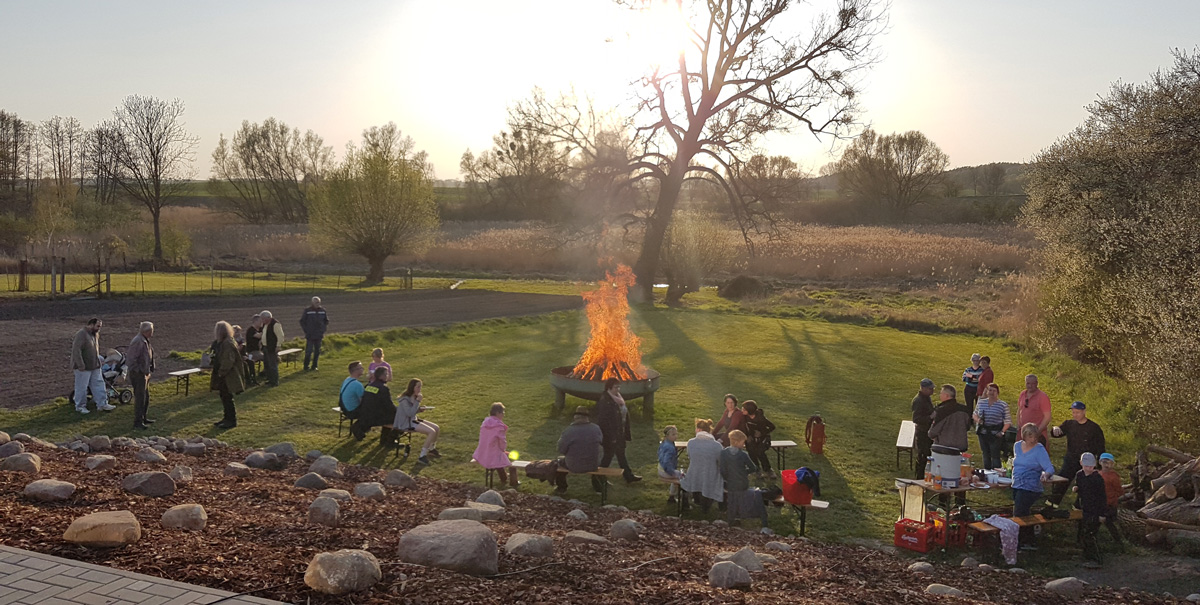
(18, 150)
(895, 172)
(266, 171)
(521, 175)
(61, 141)
(153, 154)
(102, 144)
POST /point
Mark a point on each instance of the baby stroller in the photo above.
(115, 372)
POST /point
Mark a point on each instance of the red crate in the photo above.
(914, 535)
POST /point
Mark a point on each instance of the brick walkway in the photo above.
(29, 578)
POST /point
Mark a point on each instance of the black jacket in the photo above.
(608, 416)
(314, 322)
(1086, 437)
(758, 428)
(922, 412)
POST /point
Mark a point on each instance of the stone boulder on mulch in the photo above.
(4, 438)
(942, 589)
(370, 491)
(324, 511)
(237, 469)
(265, 460)
(460, 512)
(100, 443)
(185, 516)
(311, 481)
(312, 455)
(342, 572)
(399, 478)
(1067, 587)
(195, 449)
(49, 490)
(181, 474)
(459, 545)
(491, 497)
(626, 529)
(283, 450)
(104, 529)
(577, 515)
(579, 536)
(340, 495)
(745, 558)
(151, 455)
(100, 462)
(529, 545)
(326, 466)
(11, 448)
(153, 484)
(489, 512)
(779, 546)
(27, 462)
(727, 574)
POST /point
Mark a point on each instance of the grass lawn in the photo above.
(859, 378)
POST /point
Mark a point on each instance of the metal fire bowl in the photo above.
(564, 384)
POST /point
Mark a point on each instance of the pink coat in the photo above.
(492, 443)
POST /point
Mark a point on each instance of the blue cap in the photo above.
(1078, 405)
(1107, 456)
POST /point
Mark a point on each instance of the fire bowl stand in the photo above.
(564, 384)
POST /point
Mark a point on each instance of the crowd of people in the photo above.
(1021, 448)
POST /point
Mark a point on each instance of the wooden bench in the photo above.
(801, 510)
(906, 441)
(1027, 521)
(490, 473)
(289, 356)
(185, 377)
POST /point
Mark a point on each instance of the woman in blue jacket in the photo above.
(1031, 466)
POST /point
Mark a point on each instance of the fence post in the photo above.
(185, 281)
(251, 282)
(285, 282)
(212, 275)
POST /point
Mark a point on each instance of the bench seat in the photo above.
(185, 377)
(1028, 521)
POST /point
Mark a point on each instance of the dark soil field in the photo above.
(257, 539)
(35, 336)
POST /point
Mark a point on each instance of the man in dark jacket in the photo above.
(1084, 436)
(579, 445)
(313, 322)
(376, 409)
(613, 417)
(140, 358)
(272, 332)
(951, 420)
(922, 416)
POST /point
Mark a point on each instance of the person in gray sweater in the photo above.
(741, 500)
(85, 362)
(580, 446)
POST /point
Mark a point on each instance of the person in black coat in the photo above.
(758, 435)
(613, 417)
(375, 410)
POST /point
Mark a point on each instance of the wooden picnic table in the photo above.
(780, 448)
(602, 472)
(930, 489)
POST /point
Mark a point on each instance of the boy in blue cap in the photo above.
(1112, 492)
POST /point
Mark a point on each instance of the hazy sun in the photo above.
(658, 34)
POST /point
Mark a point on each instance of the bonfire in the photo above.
(613, 350)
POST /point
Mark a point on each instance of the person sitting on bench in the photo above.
(407, 408)
(351, 394)
(491, 453)
(668, 464)
(703, 476)
(741, 500)
(375, 410)
(580, 446)
(758, 434)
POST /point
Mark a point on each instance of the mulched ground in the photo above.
(257, 540)
(40, 332)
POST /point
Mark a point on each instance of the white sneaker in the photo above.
(106, 407)
(82, 410)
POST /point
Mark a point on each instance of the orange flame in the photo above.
(613, 350)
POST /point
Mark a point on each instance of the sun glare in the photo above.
(660, 34)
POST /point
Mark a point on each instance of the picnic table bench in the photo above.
(780, 448)
(1027, 521)
(906, 441)
(779, 501)
(289, 356)
(603, 472)
(184, 377)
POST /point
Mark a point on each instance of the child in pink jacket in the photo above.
(493, 443)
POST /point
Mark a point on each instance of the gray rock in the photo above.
(921, 567)
(578, 515)
(459, 545)
(195, 449)
(22, 437)
(311, 481)
(4, 438)
(461, 512)
(625, 529)
(283, 450)
(577, 503)
(767, 559)
(615, 507)
(779, 546)
(195, 439)
(986, 567)
(265, 461)
(745, 558)
(579, 536)
(969, 563)
(529, 545)
(104, 530)
(766, 531)
(49, 490)
(324, 511)
(370, 491)
(181, 474)
(160, 448)
(340, 495)
(943, 589)
(237, 469)
(1016, 570)
(79, 446)
(11, 448)
(312, 455)
(727, 574)
(208, 442)
(326, 466)
(100, 462)
(491, 497)
(489, 512)
(342, 572)
(27, 462)
(150, 455)
(1194, 597)
(1067, 587)
(154, 484)
(100, 443)
(185, 516)
(400, 479)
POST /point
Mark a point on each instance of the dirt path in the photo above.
(35, 336)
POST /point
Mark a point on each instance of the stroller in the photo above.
(115, 372)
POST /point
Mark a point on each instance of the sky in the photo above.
(986, 81)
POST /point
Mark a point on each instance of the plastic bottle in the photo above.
(929, 470)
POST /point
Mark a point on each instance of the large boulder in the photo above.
(27, 462)
(727, 574)
(342, 572)
(489, 512)
(100, 462)
(185, 516)
(311, 481)
(400, 479)
(100, 443)
(625, 529)
(104, 530)
(11, 448)
(265, 460)
(1067, 587)
(579, 536)
(370, 491)
(529, 545)
(491, 497)
(154, 484)
(283, 450)
(324, 511)
(181, 474)
(461, 512)
(326, 466)
(460, 545)
(745, 558)
(151, 455)
(49, 490)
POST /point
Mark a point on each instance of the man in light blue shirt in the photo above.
(352, 391)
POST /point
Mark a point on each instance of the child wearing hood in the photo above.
(493, 443)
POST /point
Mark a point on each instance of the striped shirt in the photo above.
(992, 414)
(971, 376)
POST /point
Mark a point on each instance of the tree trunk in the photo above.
(646, 267)
(1175, 511)
(375, 272)
(158, 251)
(1170, 452)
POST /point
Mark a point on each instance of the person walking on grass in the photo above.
(613, 417)
(272, 338)
(313, 321)
(922, 417)
(991, 423)
(407, 408)
(227, 374)
(1083, 437)
(85, 362)
(140, 360)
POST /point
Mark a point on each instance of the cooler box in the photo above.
(914, 535)
(795, 492)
